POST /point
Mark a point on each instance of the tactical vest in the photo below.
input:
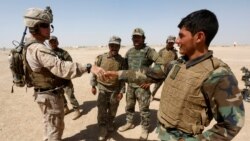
(110, 64)
(183, 105)
(44, 78)
(137, 59)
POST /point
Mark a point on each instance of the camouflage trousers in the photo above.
(51, 105)
(69, 90)
(107, 104)
(143, 98)
(173, 135)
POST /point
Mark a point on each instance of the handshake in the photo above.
(104, 75)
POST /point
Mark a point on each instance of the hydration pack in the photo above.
(17, 67)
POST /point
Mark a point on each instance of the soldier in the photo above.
(140, 57)
(197, 88)
(69, 88)
(110, 92)
(167, 53)
(48, 73)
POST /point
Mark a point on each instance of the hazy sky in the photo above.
(92, 22)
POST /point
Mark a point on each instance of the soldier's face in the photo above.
(186, 42)
(114, 49)
(44, 29)
(53, 44)
(138, 41)
(170, 45)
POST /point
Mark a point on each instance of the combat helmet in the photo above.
(33, 16)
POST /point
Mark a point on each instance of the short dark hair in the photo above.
(201, 20)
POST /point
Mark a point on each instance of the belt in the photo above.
(43, 90)
(175, 131)
(167, 128)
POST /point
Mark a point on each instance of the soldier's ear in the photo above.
(200, 37)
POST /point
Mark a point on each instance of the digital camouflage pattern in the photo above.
(107, 101)
(139, 59)
(224, 97)
(69, 87)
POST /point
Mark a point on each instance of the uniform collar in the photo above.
(197, 60)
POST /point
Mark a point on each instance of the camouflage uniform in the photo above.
(69, 88)
(107, 99)
(110, 92)
(139, 59)
(166, 54)
(218, 97)
(47, 73)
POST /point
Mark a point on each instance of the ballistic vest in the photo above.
(183, 105)
(110, 64)
(44, 78)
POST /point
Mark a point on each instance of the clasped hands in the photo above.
(104, 75)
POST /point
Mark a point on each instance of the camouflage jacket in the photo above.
(221, 89)
(141, 59)
(119, 86)
(168, 54)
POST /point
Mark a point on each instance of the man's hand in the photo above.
(111, 74)
(119, 96)
(98, 71)
(93, 90)
(145, 85)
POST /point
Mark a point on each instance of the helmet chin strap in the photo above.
(52, 27)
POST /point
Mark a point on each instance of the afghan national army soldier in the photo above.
(140, 57)
(167, 53)
(197, 88)
(69, 88)
(48, 73)
(110, 92)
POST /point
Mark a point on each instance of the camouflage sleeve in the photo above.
(226, 105)
(63, 69)
(151, 75)
(67, 57)
(93, 79)
(154, 56)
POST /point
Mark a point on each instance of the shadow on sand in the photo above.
(91, 131)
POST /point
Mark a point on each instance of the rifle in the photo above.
(16, 62)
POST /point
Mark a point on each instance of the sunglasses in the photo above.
(44, 25)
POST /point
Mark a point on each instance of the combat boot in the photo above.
(127, 126)
(66, 109)
(102, 133)
(144, 134)
(77, 114)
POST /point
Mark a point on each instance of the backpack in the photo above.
(16, 63)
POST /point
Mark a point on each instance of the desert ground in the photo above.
(21, 119)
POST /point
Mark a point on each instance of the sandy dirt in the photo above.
(21, 119)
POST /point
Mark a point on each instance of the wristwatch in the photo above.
(88, 67)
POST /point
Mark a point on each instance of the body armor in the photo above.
(43, 79)
(184, 106)
(110, 64)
